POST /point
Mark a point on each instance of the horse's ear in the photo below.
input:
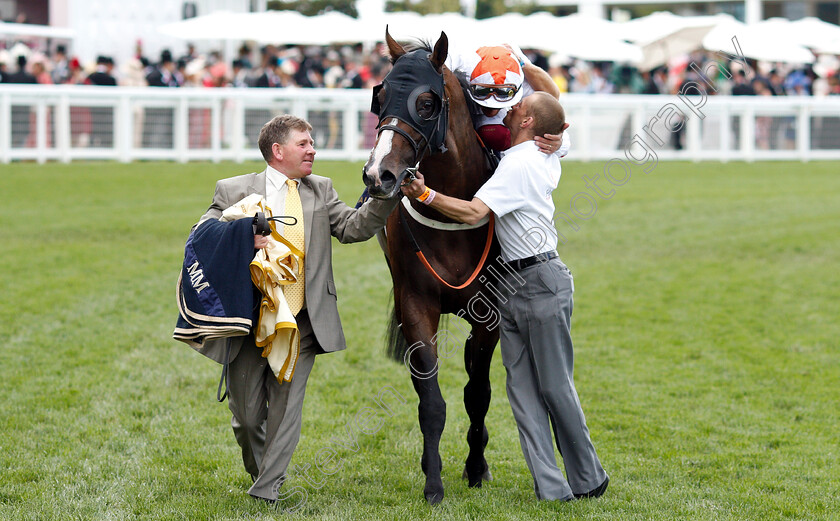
(394, 49)
(440, 52)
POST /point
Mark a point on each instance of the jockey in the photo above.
(499, 77)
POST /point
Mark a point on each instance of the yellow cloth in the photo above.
(295, 293)
(272, 268)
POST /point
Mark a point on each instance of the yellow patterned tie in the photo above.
(294, 234)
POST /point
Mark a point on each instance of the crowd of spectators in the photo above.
(357, 67)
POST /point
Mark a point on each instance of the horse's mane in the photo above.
(414, 44)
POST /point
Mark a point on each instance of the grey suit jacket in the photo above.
(324, 215)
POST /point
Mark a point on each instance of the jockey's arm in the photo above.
(540, 80)
(469, 212)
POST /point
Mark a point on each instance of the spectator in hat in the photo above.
(21, 75)
(742, 87)
(102, 118)
(269, 77)
(77, 74)
(60, 65)
(103, 75)
(158, 122)
(241, 74)
(20, 113)
(245, 56)
(164, 74)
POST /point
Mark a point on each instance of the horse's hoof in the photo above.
(434, 497)
(486, 476)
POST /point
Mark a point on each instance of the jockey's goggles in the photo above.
(501, 92)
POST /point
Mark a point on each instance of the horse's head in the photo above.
(413, 111)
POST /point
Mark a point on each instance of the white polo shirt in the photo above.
(519, 194)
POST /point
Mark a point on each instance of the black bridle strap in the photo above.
(414, 145)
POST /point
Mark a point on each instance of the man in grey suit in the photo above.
(267, 415)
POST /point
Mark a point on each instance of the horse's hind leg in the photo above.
(423, 364)
(477, 355)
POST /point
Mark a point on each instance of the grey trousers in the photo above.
(537, 353)
(267, 415)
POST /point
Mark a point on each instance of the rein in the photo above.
(429, 267)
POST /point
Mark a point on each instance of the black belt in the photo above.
(521, 264)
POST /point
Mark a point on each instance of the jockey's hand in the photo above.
(415, 188)
(260, 242)
(549, 143)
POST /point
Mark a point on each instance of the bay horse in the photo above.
(425, 121)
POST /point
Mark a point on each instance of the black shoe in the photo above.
(595, 492)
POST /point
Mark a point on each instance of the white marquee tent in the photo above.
(646, 42)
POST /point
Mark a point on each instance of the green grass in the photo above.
(706, 332)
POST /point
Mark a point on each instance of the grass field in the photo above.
(706, 334)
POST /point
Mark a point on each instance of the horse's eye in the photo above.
(426, 108)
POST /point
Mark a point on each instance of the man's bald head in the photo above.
(549, 116)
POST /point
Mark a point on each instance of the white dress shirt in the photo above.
(275, 193)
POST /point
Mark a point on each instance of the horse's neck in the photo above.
(460, 172)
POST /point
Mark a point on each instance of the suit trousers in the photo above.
(267, 416)
(537, 353)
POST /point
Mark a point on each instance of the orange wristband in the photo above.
(425, 195)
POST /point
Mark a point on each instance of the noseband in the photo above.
(412, 75)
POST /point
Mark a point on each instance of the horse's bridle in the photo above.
(414, 68)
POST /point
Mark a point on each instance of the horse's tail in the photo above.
(396, 344)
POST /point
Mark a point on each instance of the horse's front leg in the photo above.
(422, 362)
(478, 353)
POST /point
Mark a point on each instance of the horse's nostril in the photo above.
(388, 179)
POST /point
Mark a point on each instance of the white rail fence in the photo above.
(68, 123)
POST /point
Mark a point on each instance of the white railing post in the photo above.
(237, 143)
(216, 130)
(693, 138)
(5, 127)
(803, 132)
(350, 134)
(61, 124)
(124, 128)
(41, 131)
(725, 133)
(181, 131)
(748, 134)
